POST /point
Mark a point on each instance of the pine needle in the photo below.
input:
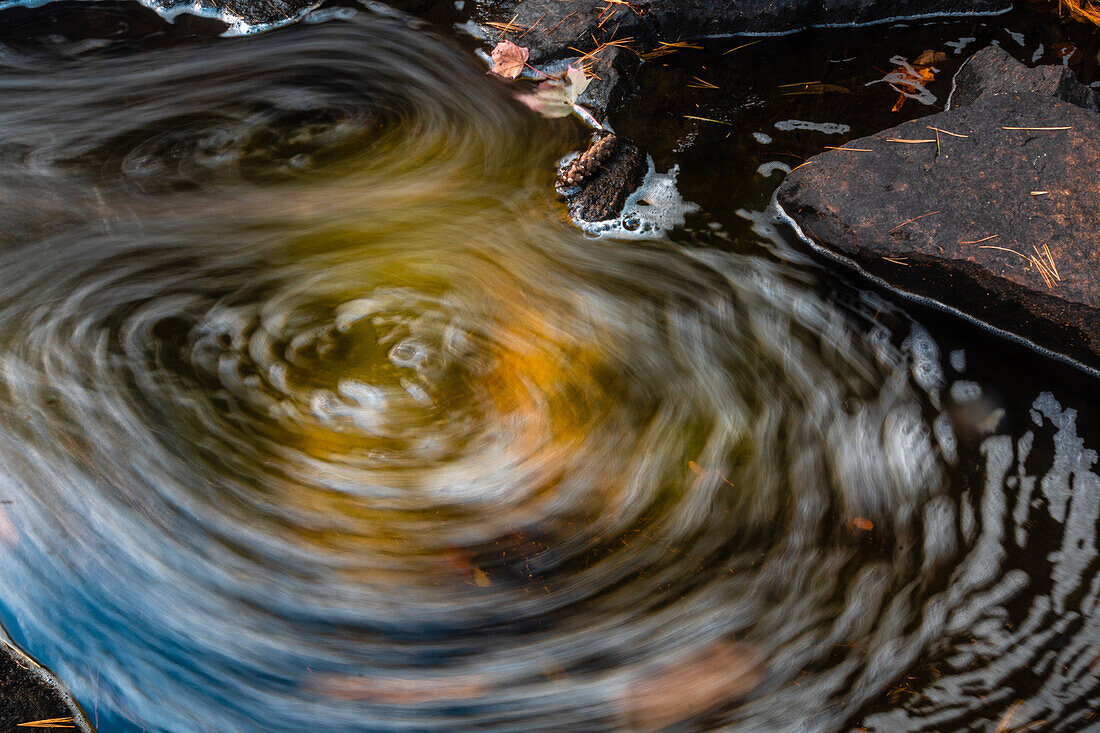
(707, 119)
(698, 83)
(945, 132)
(978, 241)
(48, 723)
(743, 45)
(915, 218)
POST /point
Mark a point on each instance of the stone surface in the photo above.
(993, 70)
(551, 27)
(964, 225)
(554, 30)
(25, 696)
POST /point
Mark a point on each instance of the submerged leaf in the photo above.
(910, 78)
(558, 97)
(577, 82)
(549, 100)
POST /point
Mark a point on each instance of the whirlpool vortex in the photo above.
(316, 413)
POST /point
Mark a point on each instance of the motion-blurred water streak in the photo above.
(316, 413)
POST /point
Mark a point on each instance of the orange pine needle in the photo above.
(978, 241)
(915, 218)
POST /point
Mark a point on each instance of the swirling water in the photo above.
(316, 413)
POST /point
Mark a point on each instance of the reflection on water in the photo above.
(316, 412)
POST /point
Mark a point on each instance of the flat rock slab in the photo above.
(997, 222)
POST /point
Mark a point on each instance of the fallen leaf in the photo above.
(909, 79)
(557, 97)
(684, 689)
(578, 82)
(481, 580)
(862, 523)
(509, 59)
(930, 58)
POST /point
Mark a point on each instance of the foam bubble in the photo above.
(829, 128)
(649, 213)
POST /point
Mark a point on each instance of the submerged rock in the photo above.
(989, 208)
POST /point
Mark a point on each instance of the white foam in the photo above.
(767, 169)
(925, 355)
(649, 213)
(829, 128)
(944, 433)
(957, 359)
(686, 142)
(857, 24)
(965, 391)
(762, 138)
(238, 26)
(960, 44)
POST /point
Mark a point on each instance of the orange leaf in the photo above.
(508, 59)
(862, 523)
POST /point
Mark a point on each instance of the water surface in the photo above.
(317, 412)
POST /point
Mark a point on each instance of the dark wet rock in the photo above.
(551, 27)
(992, 70)
(554, 30)
(250, 12)
(605, 175)
(967, 226)
(25, 696)
(612, 70)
